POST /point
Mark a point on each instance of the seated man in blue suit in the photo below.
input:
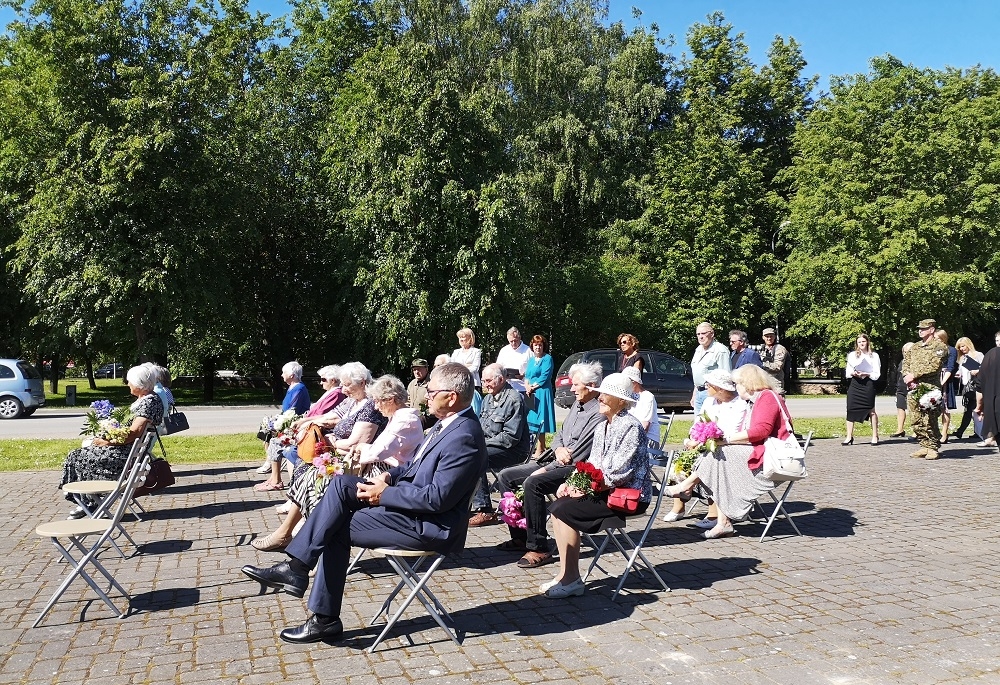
(421, 505)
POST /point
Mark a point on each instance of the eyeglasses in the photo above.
(431, 394)
(703, 334)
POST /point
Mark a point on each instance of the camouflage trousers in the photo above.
(925, 424)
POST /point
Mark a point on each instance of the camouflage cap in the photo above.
(768, 331)
(418, 362)
(927, 323)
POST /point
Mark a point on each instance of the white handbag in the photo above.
(784, 460)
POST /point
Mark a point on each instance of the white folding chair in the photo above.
(411, 577)
(665, 429)
(108, 491)
(618, 535)
(779, 502)
(77, 531)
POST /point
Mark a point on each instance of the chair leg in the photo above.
(77, 570)
(412, 570)
(355, 560)
(779, 509)
(418, 590)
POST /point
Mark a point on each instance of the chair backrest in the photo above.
(140, 448)
(665, 428)
(135, 475)
(806, 442)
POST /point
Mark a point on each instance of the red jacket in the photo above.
(766, 421)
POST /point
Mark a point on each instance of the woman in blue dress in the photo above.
(538, 386)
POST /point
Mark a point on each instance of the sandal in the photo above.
(535, 559)
(513, 545)
(267, 486)
(271, 543)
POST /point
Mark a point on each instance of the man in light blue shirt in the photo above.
(708, 356)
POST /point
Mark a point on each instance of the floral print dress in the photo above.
(105, 462)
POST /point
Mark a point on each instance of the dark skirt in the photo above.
(589, 514)
(948, 390)
(860, 399)
(901, 400)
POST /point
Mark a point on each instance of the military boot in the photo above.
(919, 453)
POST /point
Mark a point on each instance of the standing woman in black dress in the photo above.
(863, 369)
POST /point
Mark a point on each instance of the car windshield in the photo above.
(28, 371)
(570, 360)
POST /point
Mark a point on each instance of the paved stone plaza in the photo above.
(895, 581)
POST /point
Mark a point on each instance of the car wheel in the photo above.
(10, 408)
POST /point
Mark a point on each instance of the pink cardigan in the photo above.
(766, 422)
(330, 399)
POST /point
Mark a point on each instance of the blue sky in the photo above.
(836, 37)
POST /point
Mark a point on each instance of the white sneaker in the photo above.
(265, 468)
(673, 516)
(706, 523)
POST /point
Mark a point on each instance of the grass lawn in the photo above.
(20, 455)
(113, 389)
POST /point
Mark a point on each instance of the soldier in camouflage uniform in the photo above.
(922, 364)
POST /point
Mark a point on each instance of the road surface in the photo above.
(66, 422)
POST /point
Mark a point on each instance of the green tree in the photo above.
(715, 201)
(895, 215)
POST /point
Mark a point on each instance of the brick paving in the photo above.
(895, 581)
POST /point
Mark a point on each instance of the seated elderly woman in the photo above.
(619, 451)
(361, 425)
(329, 377)
(733, 475)
(724, 406)
(296, 397)
(102, 460)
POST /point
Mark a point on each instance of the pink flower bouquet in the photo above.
(706, 433)
(512, 509)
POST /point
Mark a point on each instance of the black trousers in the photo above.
(535, 489)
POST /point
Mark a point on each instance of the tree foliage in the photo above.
(895, 214)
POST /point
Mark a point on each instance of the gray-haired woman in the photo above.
(102, 460)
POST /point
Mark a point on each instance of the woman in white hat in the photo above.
(724, 406)
(619, 451)
(735, 474)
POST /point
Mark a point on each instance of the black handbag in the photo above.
(159, 477)
(174, 422)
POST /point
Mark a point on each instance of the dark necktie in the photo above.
(431, 435)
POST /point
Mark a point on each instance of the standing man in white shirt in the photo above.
(514, 359)
(645, 409)
(708, 356)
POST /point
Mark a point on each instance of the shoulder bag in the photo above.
(784, 460)
(174, 422)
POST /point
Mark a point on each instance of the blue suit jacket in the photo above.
(434, 490)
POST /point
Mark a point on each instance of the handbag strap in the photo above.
(784, 414)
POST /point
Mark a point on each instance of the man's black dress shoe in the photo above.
(280, 576)
(313, 630)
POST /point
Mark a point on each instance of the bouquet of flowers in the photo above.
(270, 426)
(705, 432)
(684, 462)
(107, 422)
(586, 478)
(512, 509)
(928, 396)
(329, 463)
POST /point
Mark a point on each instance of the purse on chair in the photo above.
(784, 460)
(624, 500)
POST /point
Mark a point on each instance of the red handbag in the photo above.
(624, 500)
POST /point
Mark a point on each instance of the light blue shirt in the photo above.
(703, 361)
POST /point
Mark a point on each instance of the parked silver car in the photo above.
(21, 391)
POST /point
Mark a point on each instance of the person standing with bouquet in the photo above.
(618, 458)
(922, 367)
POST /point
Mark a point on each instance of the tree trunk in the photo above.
(54, 367)
(208, 378)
